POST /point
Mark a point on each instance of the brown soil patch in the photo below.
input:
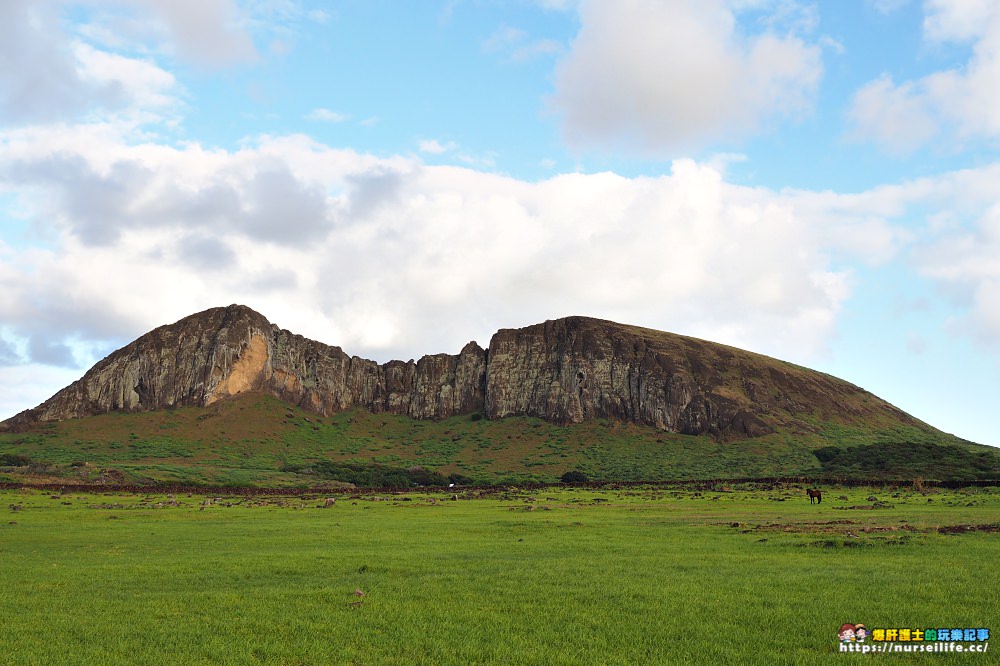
(865, 507)
(965, 529)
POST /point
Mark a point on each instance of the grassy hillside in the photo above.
(258, 440)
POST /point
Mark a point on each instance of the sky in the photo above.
(814, 181)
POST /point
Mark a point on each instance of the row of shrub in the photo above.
(908, 460)
(375, 475)
(14, 460)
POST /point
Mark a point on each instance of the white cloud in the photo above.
(661, 76)
(945, 228)
(830, 43)
(147, 91)
(207, 32)
(517, 46)
(965, 262)
(898, 117)
(372, 253)
(502, 37)
(721, 161)
(403, 246)
(97, 197)
(537, 48)
(63, 60)
(53, 71)
(486, 160)
(888, 6)
(957, 20)
(42, 78)
(327, 116)
(959, 105)
(435, 147)
(558, 5)
(319, 16)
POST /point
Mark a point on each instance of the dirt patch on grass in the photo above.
(889, 528)
(965, 529)
(837, 543)
(804, 528)
(836, 533)
(854, 541)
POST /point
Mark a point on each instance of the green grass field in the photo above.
(643, 575)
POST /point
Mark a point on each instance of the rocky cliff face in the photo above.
(568, 371)
(222, 352)
(575, 369)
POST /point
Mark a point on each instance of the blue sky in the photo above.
(815, 181)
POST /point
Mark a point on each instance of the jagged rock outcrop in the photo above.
(226, 351)
(568, 371)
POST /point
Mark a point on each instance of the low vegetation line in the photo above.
(699, 484)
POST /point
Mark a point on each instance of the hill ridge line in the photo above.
(566, 370)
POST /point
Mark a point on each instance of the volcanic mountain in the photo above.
(565, 371)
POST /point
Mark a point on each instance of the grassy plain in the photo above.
(634, 575)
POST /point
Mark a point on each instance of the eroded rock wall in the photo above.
(568, 371)
(187, 363)
(223, 352)
(575, 369)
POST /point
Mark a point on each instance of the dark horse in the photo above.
(815, 495)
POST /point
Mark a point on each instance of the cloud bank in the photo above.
(373, 253)
(663, 76)
(960, 105)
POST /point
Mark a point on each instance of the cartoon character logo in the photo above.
(861, 633)
(846, 633)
